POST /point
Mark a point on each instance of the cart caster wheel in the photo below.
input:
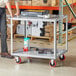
(18, 60)
(62, 57)
(52, 63)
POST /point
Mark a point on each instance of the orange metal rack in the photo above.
(37, 7)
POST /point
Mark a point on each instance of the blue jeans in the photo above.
(3, 30)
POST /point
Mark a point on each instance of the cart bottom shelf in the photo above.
(37, 54)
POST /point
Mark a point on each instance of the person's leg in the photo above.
(4, 49)
(0, 19)
(0, 24)
(3, 32)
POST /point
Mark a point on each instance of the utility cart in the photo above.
(52, 53)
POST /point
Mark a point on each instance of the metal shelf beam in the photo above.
(36, 7)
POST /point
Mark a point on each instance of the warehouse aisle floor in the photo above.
(40, 67)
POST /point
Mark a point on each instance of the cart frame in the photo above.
(54, 20)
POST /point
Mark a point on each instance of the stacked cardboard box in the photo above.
(74, 21)
(67, 12)
(36, 2)
(49, 30)
(12, 2)
(22, 2)
(41, 2)
(69, 1)
(74, 9)
(26, 2)
(44, 2)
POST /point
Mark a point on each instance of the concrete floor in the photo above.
(40, 67)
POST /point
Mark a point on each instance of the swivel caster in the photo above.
(62, 57)
(52, 63)
(18, 60)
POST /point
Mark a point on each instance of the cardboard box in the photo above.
(36, 2)
(44, 2)
(47, 34)
(22, 2)
(74, 19)
(67, 12)
(69, 1)
(74, 31)
(49, 30)
(12, 2)
(25, 3)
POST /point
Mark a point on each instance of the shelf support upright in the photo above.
(61, 20)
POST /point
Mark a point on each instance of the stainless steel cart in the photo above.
(56, 52)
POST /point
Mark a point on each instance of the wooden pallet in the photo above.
(43, 37)
(34, 37)
(18, 35)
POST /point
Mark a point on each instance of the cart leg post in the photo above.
(28, 59)
(11, 36)
(67, 33)
(55, 40)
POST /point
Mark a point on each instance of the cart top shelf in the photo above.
(52, 18)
